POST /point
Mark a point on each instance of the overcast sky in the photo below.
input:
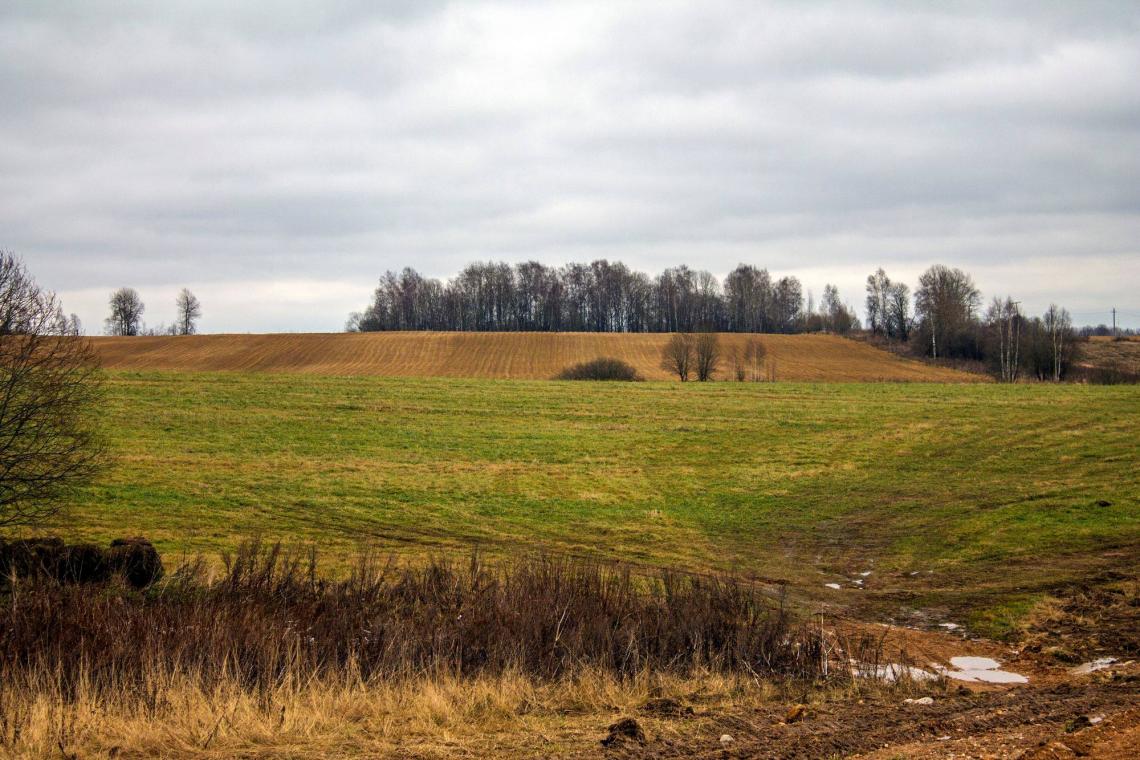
(277, 157)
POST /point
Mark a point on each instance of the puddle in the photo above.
(835, 586)
(980, 669)
(892, 672)
(1091, 667)
(974, 663)
(987, 676)
(949, 626)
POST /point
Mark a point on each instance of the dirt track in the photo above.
(532, 356)
(1056, 716)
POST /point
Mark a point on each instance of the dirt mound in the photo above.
(625, 731)
(529, 356)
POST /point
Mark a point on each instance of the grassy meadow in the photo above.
(999, 486)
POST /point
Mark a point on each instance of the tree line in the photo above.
(602, 296)
(941, 319)
(948, 323)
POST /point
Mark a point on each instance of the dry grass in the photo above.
(532, 356)
(266, 659)
(1111, 356)
(507, 715)
(269, 658)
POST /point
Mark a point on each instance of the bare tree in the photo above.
(878, 302)
(189, 309)
(898, 311)
(49, 391)
(126, 312)
(945, 305)
(755, 354)
(677, 356)
(706, 351)
(1059, 326)
(1005, 321)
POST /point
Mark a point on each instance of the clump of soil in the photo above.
(625, 731)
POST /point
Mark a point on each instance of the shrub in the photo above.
(49, 558)
(271, 616)
(600, 369)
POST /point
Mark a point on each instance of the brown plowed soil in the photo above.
(531, 356)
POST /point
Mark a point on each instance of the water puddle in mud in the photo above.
(974, 663)
(1091, 667)
(835, 586)
(980, 669)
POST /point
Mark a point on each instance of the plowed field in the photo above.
(531, 356)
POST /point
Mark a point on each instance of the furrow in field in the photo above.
(824, 358)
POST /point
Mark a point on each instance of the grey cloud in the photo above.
(222, 143)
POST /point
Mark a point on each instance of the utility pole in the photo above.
(1114, 323)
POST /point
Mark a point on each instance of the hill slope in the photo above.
(532, 356)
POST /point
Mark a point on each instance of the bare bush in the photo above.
(706, 354)
(678, 355)
(271, 616)
(754, 358)
(600, 369)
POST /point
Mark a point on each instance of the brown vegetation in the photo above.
(271, 615)
(535, 657)
(271, 631)
(600, 369)
(134, 560)
(1109, 361)
(534, 356)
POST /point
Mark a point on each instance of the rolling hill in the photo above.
(530, 356)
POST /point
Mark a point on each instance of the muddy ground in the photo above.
(1062, 712)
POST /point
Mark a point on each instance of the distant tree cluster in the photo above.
(946, 324)
(599, 297)
(941, 318)
(127, 307)
(686, 354)
(1104, 331)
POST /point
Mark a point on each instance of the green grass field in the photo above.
(995, 486)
